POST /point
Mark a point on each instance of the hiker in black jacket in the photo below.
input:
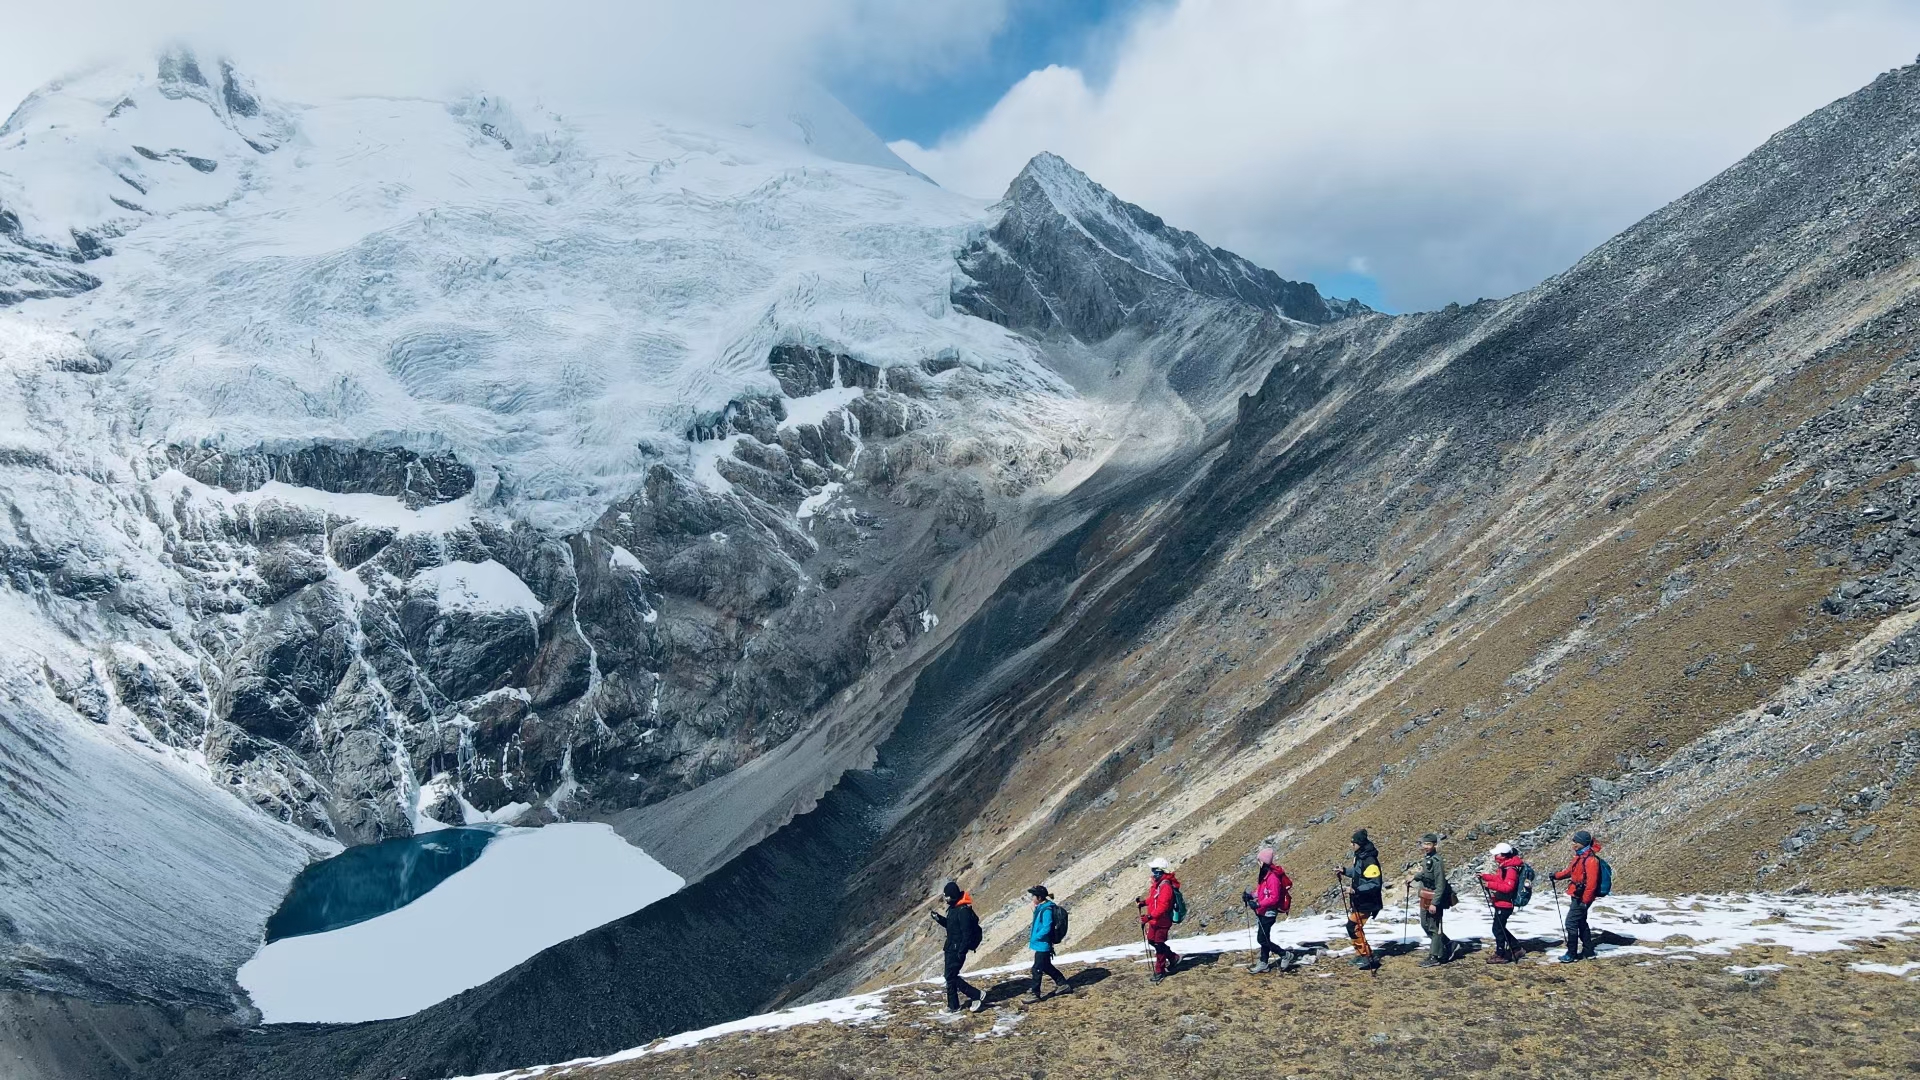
(963, 936)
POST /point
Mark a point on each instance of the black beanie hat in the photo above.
(1360, 836)
(1430, 838)
(1039, 891)
(1583, 838)
(952, 890)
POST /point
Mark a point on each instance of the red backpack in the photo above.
(1286, 889)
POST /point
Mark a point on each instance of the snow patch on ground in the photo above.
(1713, 925)
(1898, 970)
(530, 889)
(818, 501)
(481, 586)
(815, 408)
(622, 559)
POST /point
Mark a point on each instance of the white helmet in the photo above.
(1157, 863)
(1503, 848)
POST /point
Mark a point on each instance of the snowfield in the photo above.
(530, 888)
(538, 292)
(1713, 926)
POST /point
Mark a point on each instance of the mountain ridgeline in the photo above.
(1087, 544)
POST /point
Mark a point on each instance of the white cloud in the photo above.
(570, 52)
(1455, 150)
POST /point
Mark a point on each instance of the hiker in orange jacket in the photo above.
(1582, 876)
(1156, 915)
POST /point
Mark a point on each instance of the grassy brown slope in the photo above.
(1611, 1018)
(1670, 607)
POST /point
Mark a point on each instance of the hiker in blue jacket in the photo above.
(1040, 941)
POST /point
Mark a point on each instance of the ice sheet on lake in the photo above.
(530, 889)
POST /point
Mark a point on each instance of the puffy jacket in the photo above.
(1364, 876)
(1042, 926)
(1504, 881)
(1266, 892)
(1582, 875)
(1159, 910)
(963, 925)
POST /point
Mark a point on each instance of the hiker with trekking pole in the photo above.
(1436, 896)
(1588, 879)
(1508, 886)
(1159, 909)
(1270, 897)
(1360, 885)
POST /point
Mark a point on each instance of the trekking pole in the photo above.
(1557, 917)
(1406, 895)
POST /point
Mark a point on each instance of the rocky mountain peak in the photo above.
(1068, 255)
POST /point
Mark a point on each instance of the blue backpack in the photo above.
(1523, 886)
(1606, 876)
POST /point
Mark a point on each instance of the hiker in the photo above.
(1040, 940)
(1503, 890)
(1270, 897)
(1362, 886)
(1436, 896)
(1157, 917)
(1583, 888)
(963, 936)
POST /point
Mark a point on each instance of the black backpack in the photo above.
(973, 935)
(1057, 929)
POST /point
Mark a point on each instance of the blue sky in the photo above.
(1036, 33)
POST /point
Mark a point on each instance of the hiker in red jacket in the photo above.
(1582, 876)
(1502, 885)
(1156, 915)
(1269, 899)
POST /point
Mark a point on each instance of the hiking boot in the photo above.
(1568, 958)
(1064, 988)
(1359, 961)
(1500, 958)
(1032, 997)
(1431, 961)
(977, 1003)
(1173, 963)
(1259, 967)
(1369, 964)
(1156, 977)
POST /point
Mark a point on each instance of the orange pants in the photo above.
(1357, 930)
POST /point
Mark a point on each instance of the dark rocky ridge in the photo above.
(415, 479)
(1067, 255)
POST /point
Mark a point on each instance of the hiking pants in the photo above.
(958, 987)
(1504, 943)
(1043, 966)
(1164, 958)
(1264, 934)
(1431, 922)
(1357, 930)
(1579, 934)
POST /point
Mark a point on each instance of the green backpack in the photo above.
(1179, 905)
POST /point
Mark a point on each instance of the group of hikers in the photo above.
(1362, 886)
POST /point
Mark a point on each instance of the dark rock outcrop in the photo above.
(1067, 255)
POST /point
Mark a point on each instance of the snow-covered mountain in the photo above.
(382, 464)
